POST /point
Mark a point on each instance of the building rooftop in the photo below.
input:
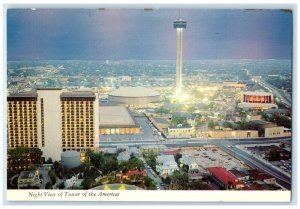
(166, 160)
(78, 94)
(49, 88)
(224, 176)
(161, 120)
(70, 153)
(180, 127)
(123, 156)
(258, 93)
(27, 174)
(170, 152)
(23, 94)
(131, 173)
(115, 116)
(262, 122)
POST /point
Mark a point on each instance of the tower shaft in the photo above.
(179, 61)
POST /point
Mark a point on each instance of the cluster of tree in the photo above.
(180, 181)
(162, 110)
(132, 164)
(108, 165)
(227, 124)
(177, 157)
(104, 162)
(149, 183)
(241, 125)
(176, 120)
(89, 176)
(243, 113)
(48, 185)
(23, 158)
(211, 124)
(52, 176)
(49, 161)
(150, 158)
(58, 169)
(279, 120)
(276, 155)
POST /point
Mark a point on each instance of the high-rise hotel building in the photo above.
(53, 120)
(22, 120)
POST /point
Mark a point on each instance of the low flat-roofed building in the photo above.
(223, 134)
(117, 120)
(266, 128)
(29, 179)
(161, 124)
(186, 131)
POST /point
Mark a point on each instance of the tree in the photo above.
(150, 157)
(167, 180)
(179, 181)
(49, 161)
(185, 168)
(87, 183)
(212, 124)
(227, 124)
(149, 183)
(21, 158)
(176, 120)
(243, 125)
(177, 157)
(162, 110)
(61, 185)
(136, 163)
(55, 164)
(48, 185)
(52, 176)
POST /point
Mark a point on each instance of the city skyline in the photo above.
(118, 34)
(98, 100)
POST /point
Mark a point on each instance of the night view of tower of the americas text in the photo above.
(117, 107)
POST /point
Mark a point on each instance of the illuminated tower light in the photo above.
(179, 25)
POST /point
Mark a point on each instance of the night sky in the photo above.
(118, 34)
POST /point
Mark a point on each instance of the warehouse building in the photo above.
(117, 120)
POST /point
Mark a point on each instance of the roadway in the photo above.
(191, 142)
